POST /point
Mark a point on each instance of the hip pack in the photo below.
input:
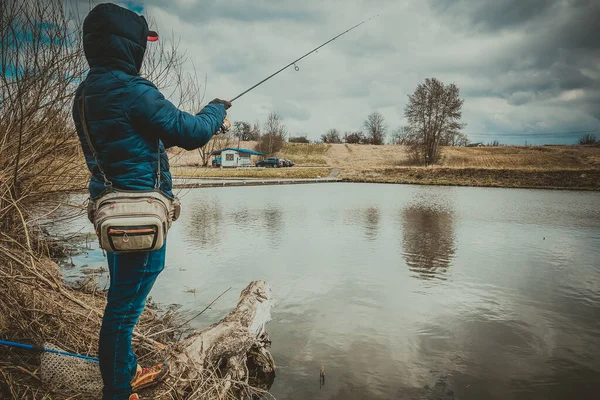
(127, 220)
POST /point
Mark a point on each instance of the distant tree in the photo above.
(402, 136)
(299, 139)
(332, 136)
(462, 140)
(354, 138)
(455, 139)
(495, 143)
(434, 115)
(588, 139)
(375, 128)
(244, 131)
(256, 130)
(273, 138)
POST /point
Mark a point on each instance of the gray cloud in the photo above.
(523, 67)
(241, 11)
(550, 69)
(493, 15)
(291, 110)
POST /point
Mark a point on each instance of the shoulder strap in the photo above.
(157, 185)
(89, 139)
(95, 153)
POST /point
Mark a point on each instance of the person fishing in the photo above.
(131, 124)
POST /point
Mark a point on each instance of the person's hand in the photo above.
(226, 103)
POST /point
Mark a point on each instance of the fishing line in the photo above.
(295, 61)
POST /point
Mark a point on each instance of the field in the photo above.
(266, 173)
(306, 154)
(567, 167)
(501, 157)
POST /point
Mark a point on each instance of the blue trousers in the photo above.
(132, 276)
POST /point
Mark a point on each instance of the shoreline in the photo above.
(576, 180)
(559, 179)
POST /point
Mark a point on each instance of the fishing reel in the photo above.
(225, 126)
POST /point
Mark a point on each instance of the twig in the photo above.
(201, 312)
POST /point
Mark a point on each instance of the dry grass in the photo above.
(38, 308)
(258, 173)
(521, 157)
(302, 154)
(574, 167)
(312, 154)
(486, 177)
(506, 157)
(365, 156)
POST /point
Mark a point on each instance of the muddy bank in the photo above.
(586, 179)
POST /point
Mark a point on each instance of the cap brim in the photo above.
(152, 36)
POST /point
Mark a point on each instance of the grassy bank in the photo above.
(313, 154)
(564, 167)
(486, 177)
(262, 173)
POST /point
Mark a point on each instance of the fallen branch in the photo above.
(229, 359)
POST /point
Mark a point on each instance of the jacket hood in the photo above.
(115, 37)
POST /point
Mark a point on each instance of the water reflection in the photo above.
(273, 217)
(205, 223)
(243, 217)
(521, 323)
(372, 217)
(368, 219)
(428, 239)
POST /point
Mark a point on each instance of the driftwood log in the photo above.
(236, 347)
(229, 359)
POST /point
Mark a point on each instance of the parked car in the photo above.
(272, 162)
(289, 163)
(216, 162)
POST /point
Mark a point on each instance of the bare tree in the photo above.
(402, 136)
(42, 63)
(588, 139)
(457, 139)
(376, 128)
(274, 135)
(433, 113)
(332, 136)
(243, 131)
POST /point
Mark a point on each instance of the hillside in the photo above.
(573, 167)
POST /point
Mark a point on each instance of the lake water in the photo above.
(399, 291)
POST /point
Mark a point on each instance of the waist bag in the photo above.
(127, 220)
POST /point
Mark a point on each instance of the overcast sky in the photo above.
(527, 69)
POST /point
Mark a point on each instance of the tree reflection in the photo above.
(273, 218)
(372, 217)
(205, 223)
(428, 238)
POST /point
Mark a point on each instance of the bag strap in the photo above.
(89, 140)
(157, 184)
(95, 153)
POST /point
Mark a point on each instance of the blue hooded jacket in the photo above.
(130, 122)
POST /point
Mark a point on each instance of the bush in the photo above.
(299, 139)
(588, 139)
(332, 136)
(355, 138)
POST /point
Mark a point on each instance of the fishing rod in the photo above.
(295, 61)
